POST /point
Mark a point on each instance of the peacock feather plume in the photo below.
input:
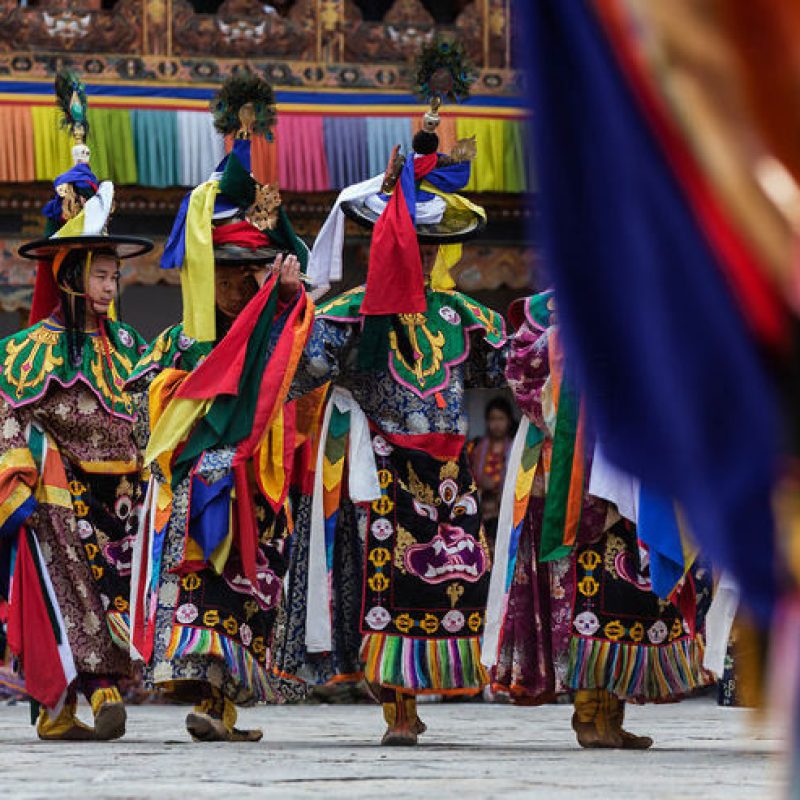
(71, 99)
(444, 70)
(245, 104)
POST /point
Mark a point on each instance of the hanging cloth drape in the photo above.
(264, 159)
(111, 140)
(346, 150)
(51, 143)
(16, 150)
(200, 147)
(447, 132)
(155, 138)
(514, 167)
(309, 153)
(488, 167)
(302, 165)
(383, 133)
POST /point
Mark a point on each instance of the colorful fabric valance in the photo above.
(311, 152)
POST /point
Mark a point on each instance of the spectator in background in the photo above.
(488, 455)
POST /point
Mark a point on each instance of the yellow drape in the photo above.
(197, 275)
(488, 174)
(52, 145)
(72, 227)
(449, 254)
(171, 418)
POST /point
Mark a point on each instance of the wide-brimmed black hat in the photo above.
(456, 225)
(234, 255)
(122, 246)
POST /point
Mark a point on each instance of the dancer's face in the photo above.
(498, 425)
(103, 282)
(428, 253)
(234, 288)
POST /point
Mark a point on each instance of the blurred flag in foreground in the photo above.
(671, 261)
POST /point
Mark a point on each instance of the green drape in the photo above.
(111, 140)
(155, 139)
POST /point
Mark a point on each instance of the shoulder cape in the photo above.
(172, 348)
(441, 336)
(38, 356)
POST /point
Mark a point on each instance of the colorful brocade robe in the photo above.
(396, 563)
(69, 503)
(579, 610)
(202, 614)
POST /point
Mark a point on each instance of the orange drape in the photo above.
(16, 144)
(263, 157)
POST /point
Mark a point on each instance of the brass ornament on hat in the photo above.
(263, 214)
(431, 119)
(71, 202)
(247, 121)
(464, 150)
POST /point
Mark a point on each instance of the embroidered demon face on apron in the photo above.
(427, 561)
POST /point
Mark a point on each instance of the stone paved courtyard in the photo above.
(471, 750)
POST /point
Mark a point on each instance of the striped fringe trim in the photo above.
(119, 626)
(637, 672)
(424, 665)
(188, 641)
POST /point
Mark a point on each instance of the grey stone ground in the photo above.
(471, 751)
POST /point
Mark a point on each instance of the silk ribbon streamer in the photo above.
(504, 555)
(363, 486)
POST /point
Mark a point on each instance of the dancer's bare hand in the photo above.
(288, 267)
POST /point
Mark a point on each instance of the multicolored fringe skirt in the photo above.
(217, 628)
(426, 573)
(591, 621)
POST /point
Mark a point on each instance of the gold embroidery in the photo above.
(475, 621)
(589, 560)
(448, 470)
(403, 541)
(414, 324)
(384, 478)
(378, 583)
(259, 647)
(420, 491)
(211, 618)
(614, 546)
(99, 366)
(429, 624)
(338, 302)
(121, 604)
(383, 505)
(231, 625)
(454, 592)
(161, 346)
(22, 376)
(404, 623)
(191, 582)
(380, 556)
(615, 630)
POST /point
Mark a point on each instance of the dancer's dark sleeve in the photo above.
(328, 355)
(485, 365)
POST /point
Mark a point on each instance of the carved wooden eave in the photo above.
(315, 33)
